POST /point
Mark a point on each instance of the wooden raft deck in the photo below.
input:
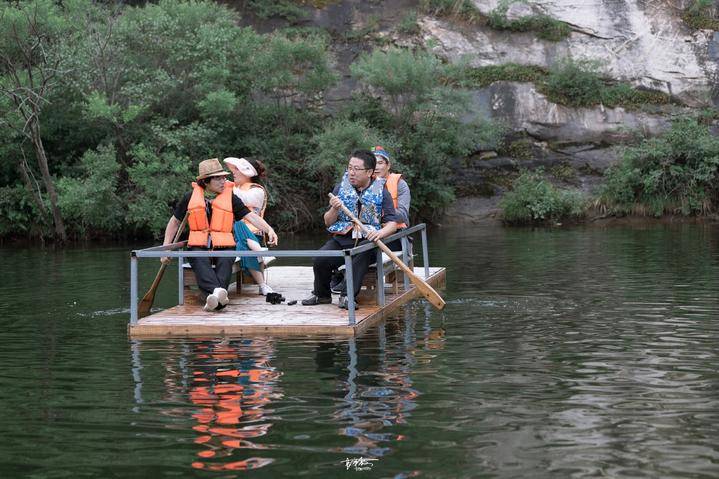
(249, 313)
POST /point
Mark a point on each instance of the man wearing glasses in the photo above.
(368, 199)
(211, 222)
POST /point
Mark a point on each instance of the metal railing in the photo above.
(172, 251)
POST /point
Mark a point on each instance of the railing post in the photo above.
(425, 253)
(380, 279)
(350, 290)
(133, 289)
(180, 281)
(405, 260)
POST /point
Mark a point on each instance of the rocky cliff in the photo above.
(648, 46)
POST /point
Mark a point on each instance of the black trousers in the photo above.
(209, 278)
(323, 268)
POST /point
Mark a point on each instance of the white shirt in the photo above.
(253, 198)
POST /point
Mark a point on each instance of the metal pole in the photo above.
(405, 260)
(180, 281)
(380, 279)
(425, 253)
(350, 292)
(133, 289)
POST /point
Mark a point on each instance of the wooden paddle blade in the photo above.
(428, 292)
(143, 309)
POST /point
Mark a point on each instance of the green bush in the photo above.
(462, 9)
(534, 200)
(18, 213)
(91, 201)
(574, 83)
(546, 27)
(423, 113)
(674, 173)
(701, 15)
(484, 76)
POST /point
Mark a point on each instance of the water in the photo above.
(562, 353)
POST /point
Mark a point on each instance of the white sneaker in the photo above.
(267, 259)
(222, 297)
(211, 302)
(264, 289)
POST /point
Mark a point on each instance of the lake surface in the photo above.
(584, 352)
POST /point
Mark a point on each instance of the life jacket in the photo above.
(392, 186)
(370, 214)
(219, 228)
(259, 210)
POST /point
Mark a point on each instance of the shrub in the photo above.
(462, 9)
(574, 83)
(534, 200)
(701, 15)
(91, 201)
(674, 173)
(546, 27)
(485, 76)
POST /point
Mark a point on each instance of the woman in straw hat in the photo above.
(246, 173)
(211, 210)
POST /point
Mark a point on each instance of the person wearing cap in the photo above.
(368, 199)
(397, 187)
(246, 173)
(211, 222)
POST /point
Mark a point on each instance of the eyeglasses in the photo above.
(355, 169)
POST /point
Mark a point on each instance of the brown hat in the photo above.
(211, 167)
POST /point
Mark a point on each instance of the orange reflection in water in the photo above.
(232, 383)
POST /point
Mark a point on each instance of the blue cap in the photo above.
(379, 151)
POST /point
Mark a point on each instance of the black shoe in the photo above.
(314, 301)
(339, 288)
(337, 283)
(344, 303)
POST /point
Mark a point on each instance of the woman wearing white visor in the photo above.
(246, 173)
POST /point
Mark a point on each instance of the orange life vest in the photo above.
(392, 185)
(219, 227)
(260, 211)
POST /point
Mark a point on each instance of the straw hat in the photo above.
(211, 167)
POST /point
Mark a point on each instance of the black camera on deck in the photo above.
(274, 298)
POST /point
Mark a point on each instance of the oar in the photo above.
(146, 304)
(427, 291)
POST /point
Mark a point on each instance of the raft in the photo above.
(384, 289)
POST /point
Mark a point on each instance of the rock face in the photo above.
(645, 43)
(642, 42)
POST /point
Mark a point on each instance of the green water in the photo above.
(582, 352)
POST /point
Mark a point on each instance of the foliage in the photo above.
(574, 83)
(534, 200)
(338, 139)
(701, 15)
(408, 24)
(674, 173)
(578, 83)
(90, 201)
(485, 76)
(276, 8)
(461, 9)
(424, 114)
(546, 27)
(18, 213)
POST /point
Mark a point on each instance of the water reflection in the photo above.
(231, 385)
(379, 391)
